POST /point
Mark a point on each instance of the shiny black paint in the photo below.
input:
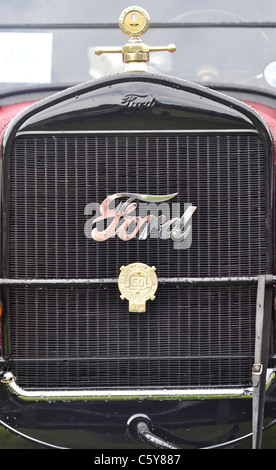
(103, 424)
(162, 104)
(133, 104)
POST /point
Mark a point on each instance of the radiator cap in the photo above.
(134, 22)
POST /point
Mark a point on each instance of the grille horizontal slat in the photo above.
(190, 336)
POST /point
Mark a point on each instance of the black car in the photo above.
(137, 224)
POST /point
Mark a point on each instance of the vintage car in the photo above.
(137, 224)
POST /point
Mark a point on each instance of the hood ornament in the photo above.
(137, 283)
(134, 22)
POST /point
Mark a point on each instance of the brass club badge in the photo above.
(137, 283)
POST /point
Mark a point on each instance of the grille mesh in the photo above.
(86, 337)
(188, 337)
(53, 179)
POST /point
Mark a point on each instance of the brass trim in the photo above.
(137, 283)
(134, 22)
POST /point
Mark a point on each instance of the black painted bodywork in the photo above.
(132, 102)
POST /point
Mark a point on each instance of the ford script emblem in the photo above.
(121, 219)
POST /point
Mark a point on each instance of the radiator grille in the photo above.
(86, 337)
